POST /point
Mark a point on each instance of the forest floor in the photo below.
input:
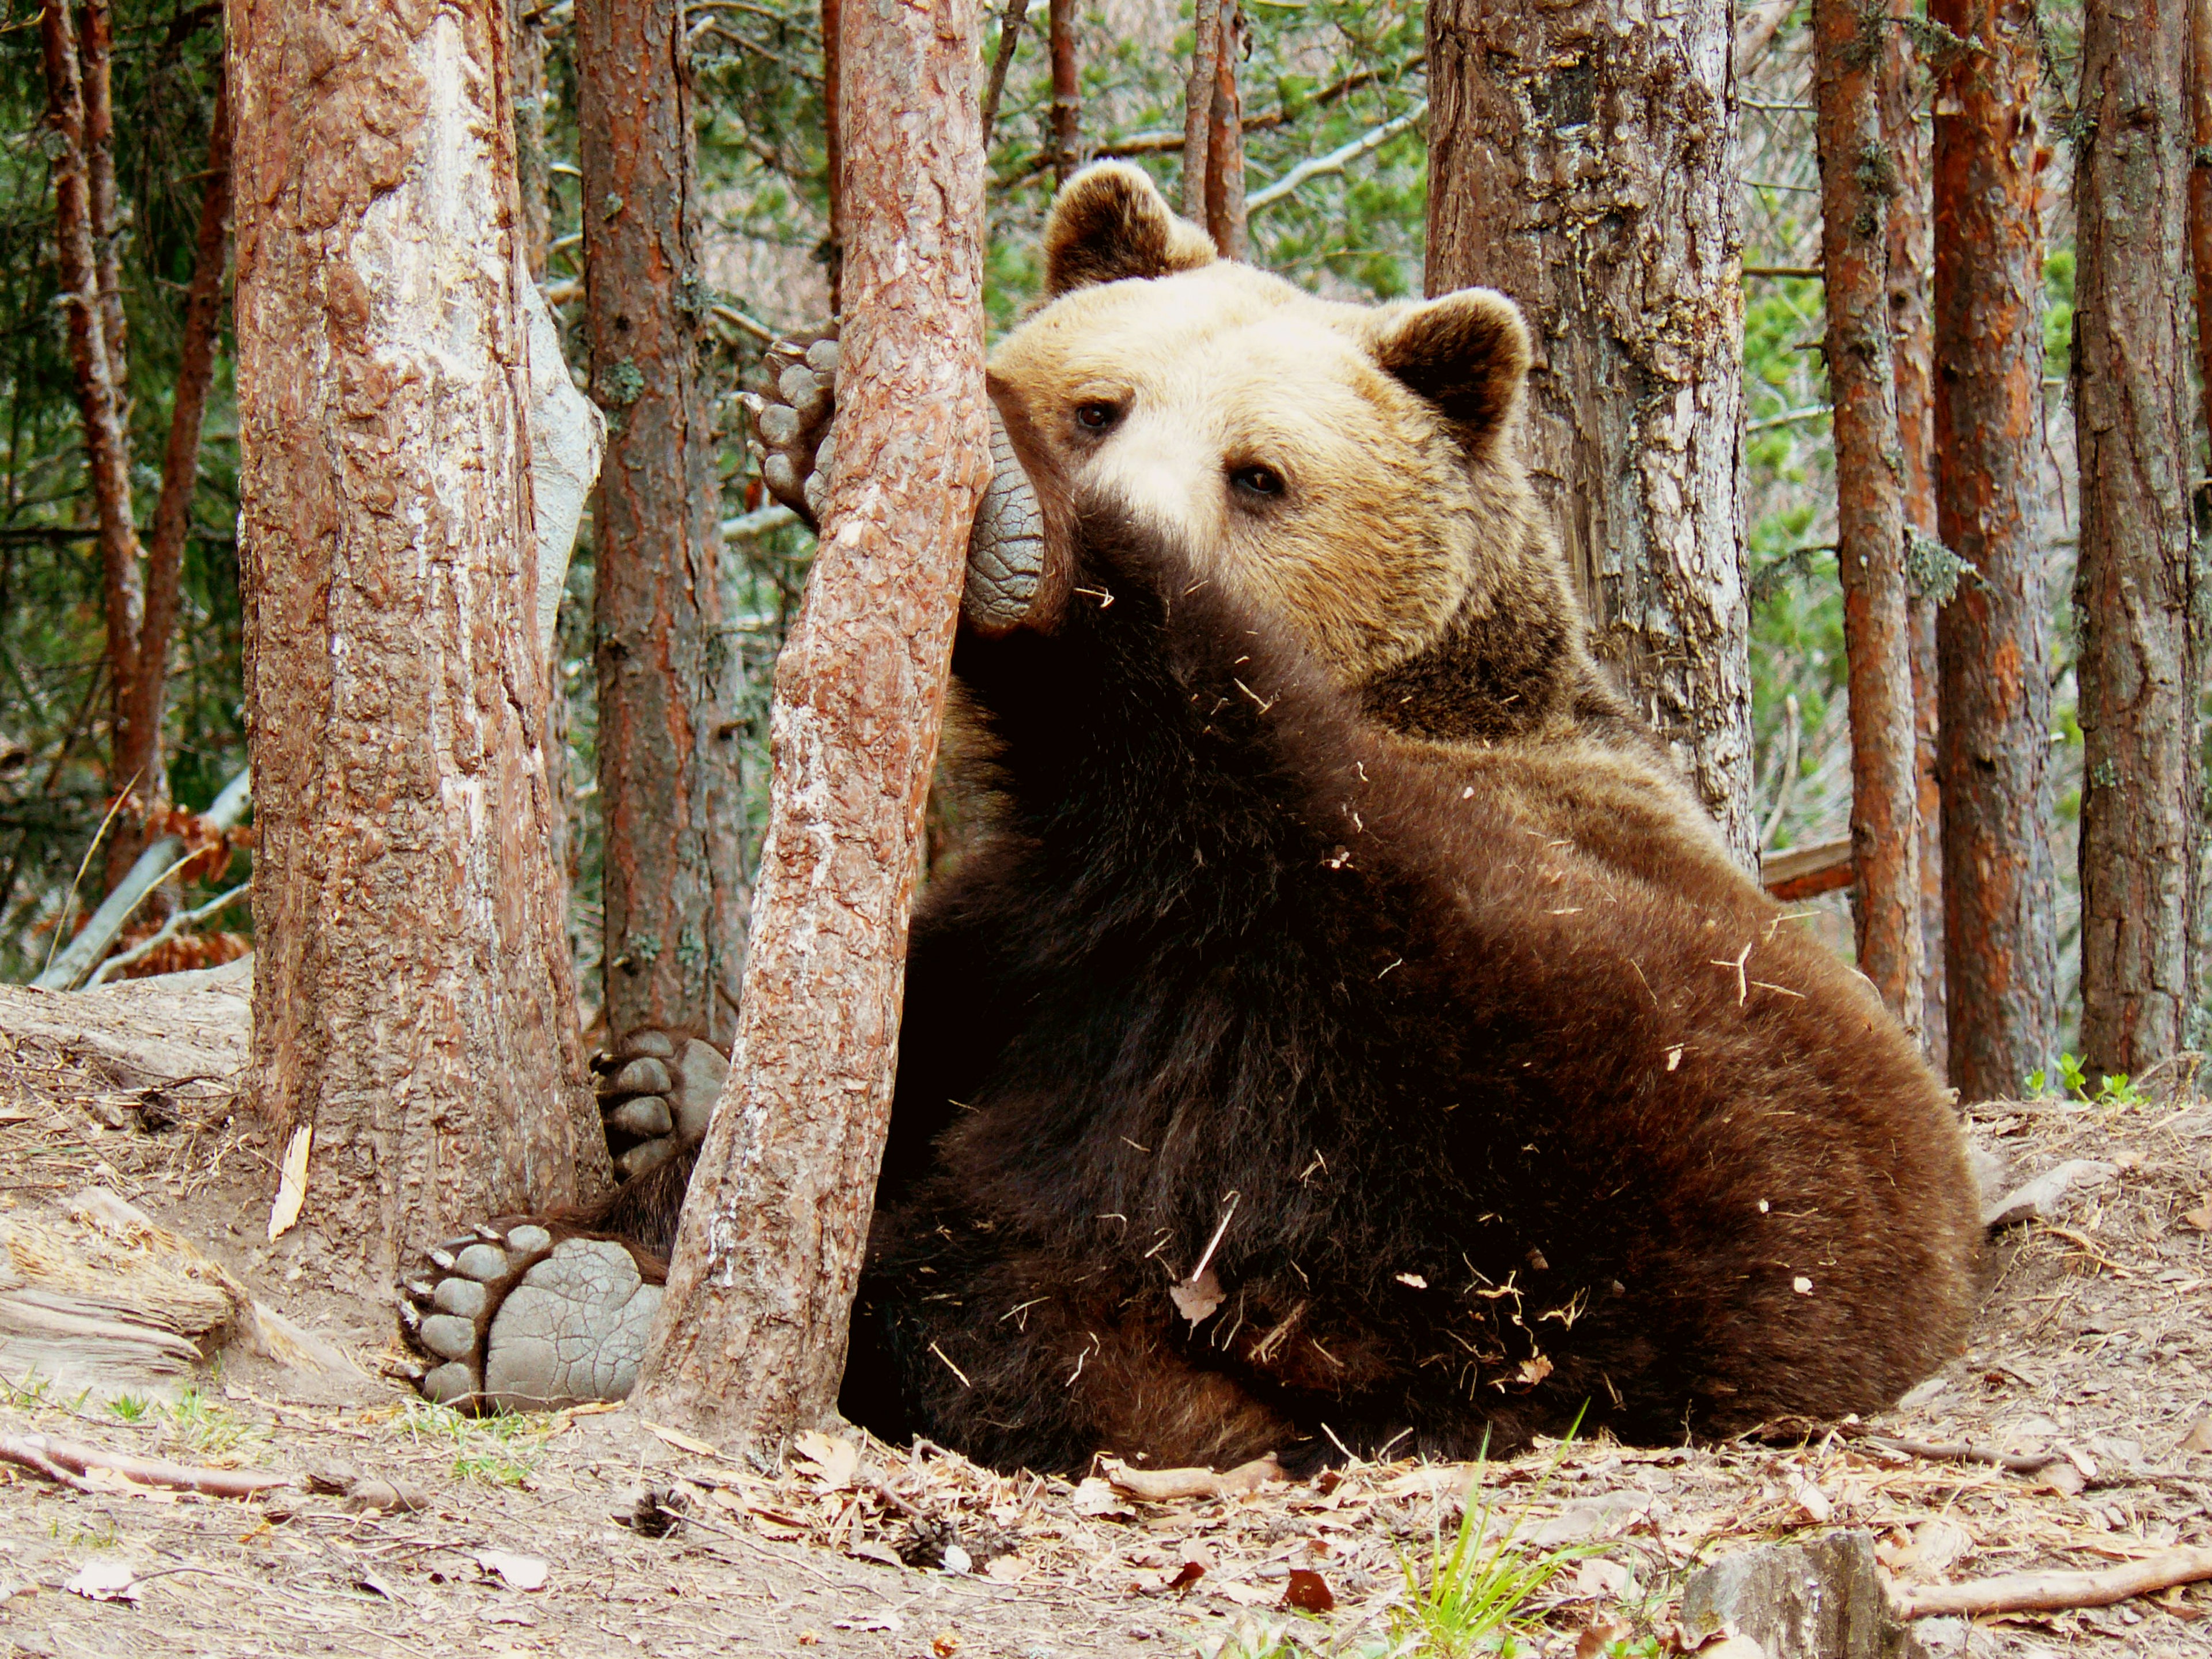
(431, 1534)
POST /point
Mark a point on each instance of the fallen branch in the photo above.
(2055, 1592)
(1960, 1452)
(1170, 1485)
(68, 1460)
(175, 924)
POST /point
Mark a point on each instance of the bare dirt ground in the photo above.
(2092, 1365)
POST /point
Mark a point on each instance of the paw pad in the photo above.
(657, 1093)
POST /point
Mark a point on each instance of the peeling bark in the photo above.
(1583, 165)
(414, 1000)
(1857, 181)
(750, 1342)
(1911, 332)
(1993, 668)
(669, 788)
(2134, 589)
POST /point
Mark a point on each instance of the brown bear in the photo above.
(1349, 1033)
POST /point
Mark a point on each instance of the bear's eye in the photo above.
(1096, 417)
(1256, 480)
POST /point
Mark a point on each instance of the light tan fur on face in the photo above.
(1370, 546)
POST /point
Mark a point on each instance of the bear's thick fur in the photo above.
(1349, 1032)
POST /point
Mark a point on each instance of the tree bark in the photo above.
(181, 459)
(2134, 588)
(750, 1342)
(98, 54)
(669, 792)
(80, 236)
(1066, 92)
(1995, 698)
(1857, 182)
(1583, 165)
(833, 128)
(1910, 335)
(414, 1001)
(1224, 138)
(2200, 188)
(532, 166)
(1198, 106)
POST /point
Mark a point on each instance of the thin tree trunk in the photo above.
(669, 794)
(2134, 584)
(1585, 167)
(1010, 36)
(414, 1001)
(1198, 106)
(2200, 189)
(1066, 92)
(1995, 680)
(750, 1342)
(1857, 184)
(100, 393)
(180, 460)
(833, 128)
(532, 166)
(1224, 138)
(97, 50)
(1910, 335)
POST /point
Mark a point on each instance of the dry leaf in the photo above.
(2063, 1477)
(874, 1549)
(2199, 1437)
(1006, 1569)
(1811, 1499)
(1602, 1631)
(835, 1461)
(521, 1572)
(945, 1643)
(2201, 1217)
(1195, 1299)
(1602, 1580)
(1186, 1575)
(1095, 1497)
(682, 1441)
(1309, 1592)
(104, 1578)
(1247, 1596)
(292, 1182)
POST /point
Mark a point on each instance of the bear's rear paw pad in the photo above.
(657, 1090)
(525, 1324)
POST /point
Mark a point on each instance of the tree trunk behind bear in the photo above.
(750, 1342)
(2136, 584)
(1857, 185)
(1911, 329)
(669, 792)
(413, 1001)
(1582, 165)
(1993, 664)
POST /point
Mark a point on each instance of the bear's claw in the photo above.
(527, 1323)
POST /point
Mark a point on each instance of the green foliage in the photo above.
(2115, 1089)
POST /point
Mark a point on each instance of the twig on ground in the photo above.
(2053, 1592)
(1960, 1452)
(67, 1460)
(176, 924)
(1167, 1486)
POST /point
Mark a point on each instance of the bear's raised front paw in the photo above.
(657, 1091)
(520, 1323)
(797, 452)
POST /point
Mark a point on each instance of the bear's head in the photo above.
(1351, 468)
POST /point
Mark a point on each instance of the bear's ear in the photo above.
(1466, 353)
(1110, 222)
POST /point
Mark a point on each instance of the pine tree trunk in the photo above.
(1583, 164)
(2134, 584)
(1198, 104)
(1066, 91)
(1912, 330)
(1993, 663)
(85, 242)
(2200, 189)
(1224, 139)
(669, 794)
(833, 123)
(750, 1343)
(1857, 185)
(413, 1002)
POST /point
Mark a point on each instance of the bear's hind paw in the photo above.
(657, 1091)
(515, 1322)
